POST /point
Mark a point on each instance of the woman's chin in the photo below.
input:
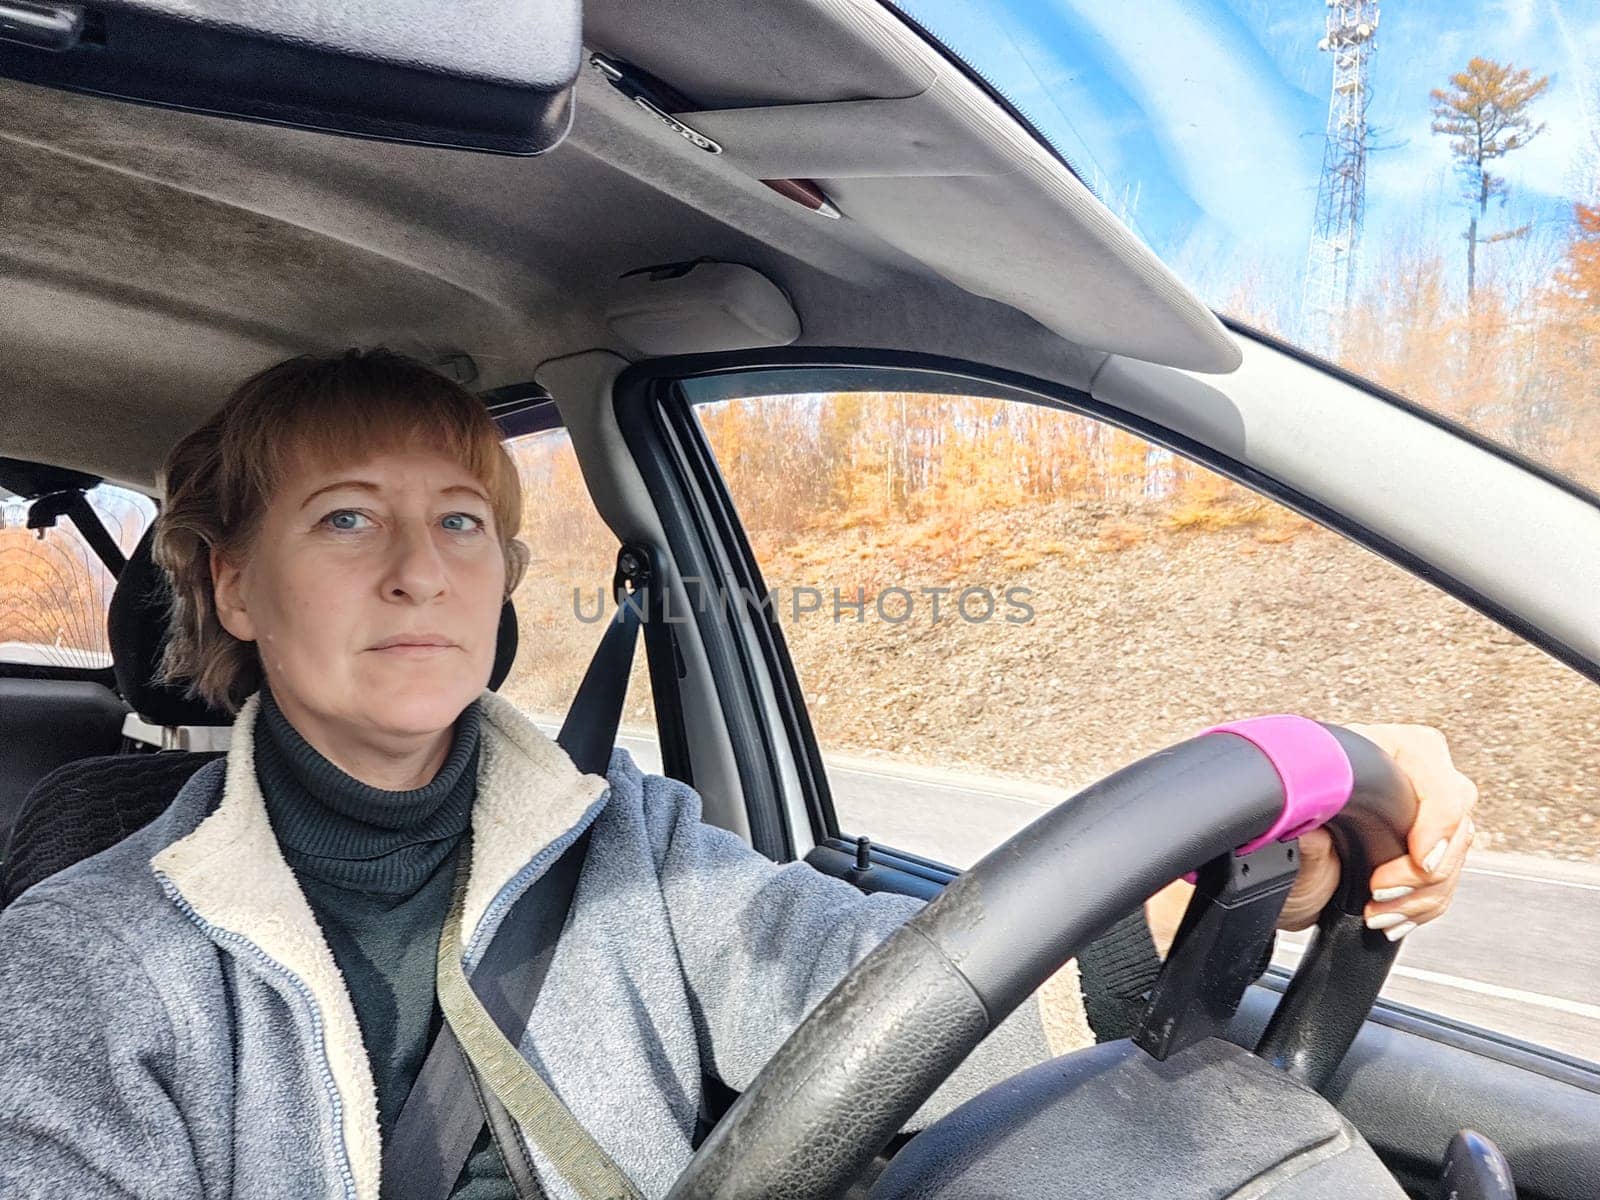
(420, 707)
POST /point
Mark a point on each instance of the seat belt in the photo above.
(503, 1074)
(442, 1116)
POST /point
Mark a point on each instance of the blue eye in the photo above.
(346, 520)
(462, 522)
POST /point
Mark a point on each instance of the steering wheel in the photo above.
(908, 1014)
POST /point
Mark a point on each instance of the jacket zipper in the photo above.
(243, 944)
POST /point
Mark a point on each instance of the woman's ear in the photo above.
(227, 593)
(517, 558)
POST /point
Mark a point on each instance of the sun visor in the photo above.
(699, 308)
(915, 156)
(492, 75)
(946, 178)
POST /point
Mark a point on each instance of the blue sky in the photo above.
(1200, 121)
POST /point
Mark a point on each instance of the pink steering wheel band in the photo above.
(1316, 774)
(1317, 777)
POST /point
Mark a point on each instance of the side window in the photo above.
(54, 590)
(991, 605)
(564, 600)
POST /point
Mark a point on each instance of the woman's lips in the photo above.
(414, 644)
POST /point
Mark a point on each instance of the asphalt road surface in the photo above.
(1519, 952)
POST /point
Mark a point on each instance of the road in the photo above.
(1518, 953)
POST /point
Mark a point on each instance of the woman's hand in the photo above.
(1406, 892)
(1417, 888)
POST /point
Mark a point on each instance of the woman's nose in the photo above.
(416, 570)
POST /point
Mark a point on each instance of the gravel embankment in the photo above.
(1143, 635)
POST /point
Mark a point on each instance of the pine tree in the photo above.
(1485, 111)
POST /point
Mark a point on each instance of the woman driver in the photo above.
(236, 1000)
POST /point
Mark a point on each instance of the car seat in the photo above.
(45, 723)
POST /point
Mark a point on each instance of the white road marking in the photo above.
(965, 789)
(1567, 883)
(1576, 1008)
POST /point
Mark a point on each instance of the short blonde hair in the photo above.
(327, 410)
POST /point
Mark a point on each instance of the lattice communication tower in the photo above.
(1341, 190)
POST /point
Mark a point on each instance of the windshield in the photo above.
(1410, 189)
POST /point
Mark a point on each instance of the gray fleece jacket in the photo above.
(174, 1024)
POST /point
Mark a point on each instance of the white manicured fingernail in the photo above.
(1391, 893)
(1399, 931)
(1435, 856)
(1386, 920)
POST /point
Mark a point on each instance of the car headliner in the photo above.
(153, 258)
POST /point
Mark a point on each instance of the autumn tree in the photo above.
(52, 592)
(1573, 342)
(1580, 277)
(1485, 111)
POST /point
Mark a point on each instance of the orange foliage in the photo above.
(51, 593)
(54, 590)
(1580, 277)
(1519, 363)
(917, 478)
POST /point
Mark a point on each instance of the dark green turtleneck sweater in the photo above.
(377, 867)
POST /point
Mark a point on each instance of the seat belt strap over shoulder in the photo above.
(641, 591)
(590, 731)
(538, 1112)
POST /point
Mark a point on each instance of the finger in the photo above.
(1423, 905)
(1439, 822)
(1164, 913)
(1456, 855)
(1400, 909)
(1398, 918)
(1315, 881)
(1445, 797)
(1316, 851)
(1391, 880)
(1396, 878)
(1407, 873)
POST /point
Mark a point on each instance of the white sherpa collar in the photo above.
(233, 876)
(529, 794)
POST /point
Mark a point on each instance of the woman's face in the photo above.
(373, 594)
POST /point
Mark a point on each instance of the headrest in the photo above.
(137, 625)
